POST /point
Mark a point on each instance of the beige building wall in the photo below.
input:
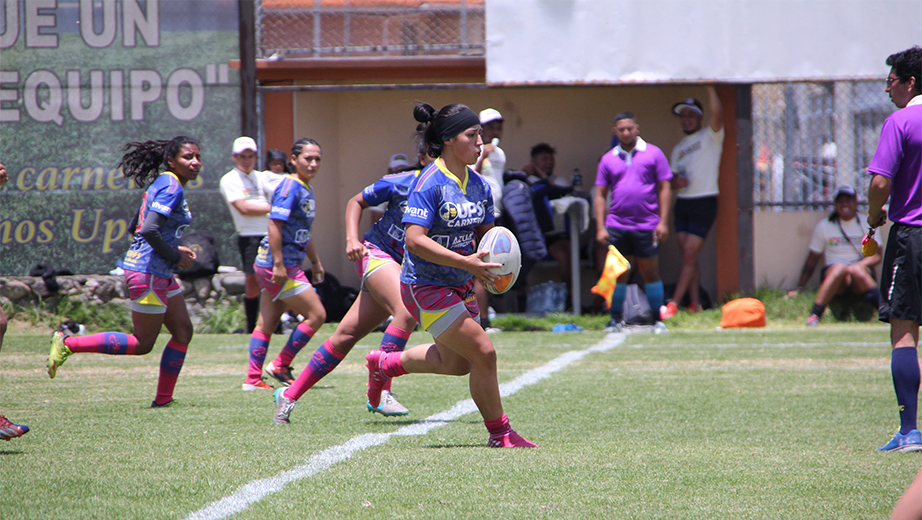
(782, 240)
(359, 131)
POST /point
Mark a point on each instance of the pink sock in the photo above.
(391, 365)
(498, 427)
(112, 343)
(174, 354)
(324, 360)
(259, 344)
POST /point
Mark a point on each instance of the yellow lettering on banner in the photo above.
(6, 230)
(78, 218)
(197, 183)
(45, 228)
(68, 175)
(115, 230)
(47, 180)
(114, 180)
(25, 232)
(23, 176)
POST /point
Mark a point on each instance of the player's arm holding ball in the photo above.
(419, 243)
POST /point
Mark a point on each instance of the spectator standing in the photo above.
(247, 193)
(637, 175)
(846, 268)
(895, 170)
(695, 168)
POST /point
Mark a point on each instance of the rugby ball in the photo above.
(502, 248)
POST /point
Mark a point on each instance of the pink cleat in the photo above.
(376, 377)
(510, 439)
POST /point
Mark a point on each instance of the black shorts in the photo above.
(248, 247)
(633, 242)
(901, 279)
(695, 216)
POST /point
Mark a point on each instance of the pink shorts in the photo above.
(149, 293)
(373, 260)
(436, 308)
(293, 286)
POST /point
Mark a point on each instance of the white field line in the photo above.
(258, 489)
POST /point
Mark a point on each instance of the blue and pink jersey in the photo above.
(450, 209)
(166, 197)
(899, 157)
(293, 203)
(632, 178)
(387, 233)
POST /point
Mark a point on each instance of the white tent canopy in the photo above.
(680, 41)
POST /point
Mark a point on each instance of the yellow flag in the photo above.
(615, 266)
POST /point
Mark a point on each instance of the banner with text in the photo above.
(79, 79)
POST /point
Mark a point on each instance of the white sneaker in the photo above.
(659, 328)
(492, 330)
(283, 407)
(389, 406)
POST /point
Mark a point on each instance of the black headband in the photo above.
(454, 125)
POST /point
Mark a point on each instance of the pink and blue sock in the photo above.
(498, 427)
(904, 366)
(324, 360)
(174, 355)
(394, 340)
(259, 345)
(296, 341)
(112, 343)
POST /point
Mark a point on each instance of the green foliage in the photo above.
(225, 316)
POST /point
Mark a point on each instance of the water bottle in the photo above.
(577, 178)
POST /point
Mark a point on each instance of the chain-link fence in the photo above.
(810, 138)
(357, 28)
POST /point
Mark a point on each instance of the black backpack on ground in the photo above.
(206, 255)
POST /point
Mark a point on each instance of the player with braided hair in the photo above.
(156, 298)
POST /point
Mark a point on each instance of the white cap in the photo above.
(398, 162)
(490, 114)
(244, 143)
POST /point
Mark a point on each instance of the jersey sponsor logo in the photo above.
(463, 240)
(396, 232)
(302, 236)
(307, 206)
(442, 240)
(180, 230)
(160, 208)
(461, 215)
(690, 150)
(422, 213)
(285, 212)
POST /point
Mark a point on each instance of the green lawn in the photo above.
(703, 424)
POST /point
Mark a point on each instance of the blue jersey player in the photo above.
(156, 298)
(449, 208)
(278, 269)
(377, 258)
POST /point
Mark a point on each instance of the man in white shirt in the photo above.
(248, 195)
(492, 161)
(695, 166)
(846, 268)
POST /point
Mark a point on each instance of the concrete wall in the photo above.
(359, 131)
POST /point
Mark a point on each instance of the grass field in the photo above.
(700, 424)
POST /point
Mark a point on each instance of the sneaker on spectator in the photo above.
(813, 320)
(668, 311)
(693, 308)
(281, 374)
(492, 330)
(10, 430)
(510, 439)
(614, 326)
(659, 328)
(389, 406)
(912, 441)
(283, 407)
(259, 385)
